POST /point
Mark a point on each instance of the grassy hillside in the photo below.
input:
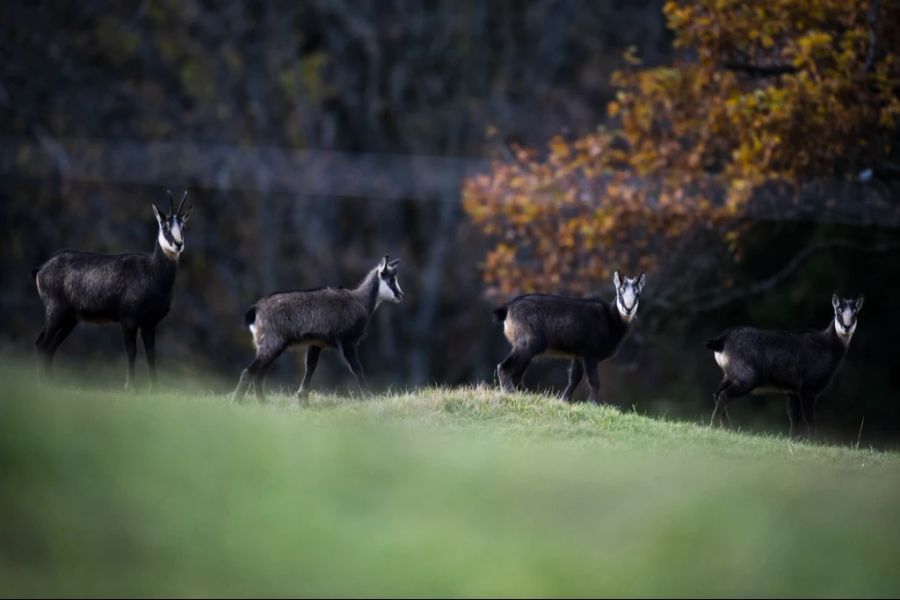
(437, 492)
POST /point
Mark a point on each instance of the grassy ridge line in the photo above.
(544, 418)
(438, 492)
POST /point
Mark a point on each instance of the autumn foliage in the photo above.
(763, 93)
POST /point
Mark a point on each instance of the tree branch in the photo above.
(703, 304)
(873, 36)
(760, 70)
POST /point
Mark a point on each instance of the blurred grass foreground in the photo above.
(461, 492)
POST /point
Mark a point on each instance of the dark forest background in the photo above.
(315, 137)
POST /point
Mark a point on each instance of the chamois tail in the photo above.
(500, 313)
(250, 317)
(716, 344)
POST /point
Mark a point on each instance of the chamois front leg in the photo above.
(796, 417)
(590, 367)
(576, 372)
(312, 360)
(808, 404)
(148, 334)
(351, 357)
(129, 333)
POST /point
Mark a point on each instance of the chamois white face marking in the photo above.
(168, 243)
(628, 295)
(388, 285)
(846, 313)
(176, 232)
(171, 227)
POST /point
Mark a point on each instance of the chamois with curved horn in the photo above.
(134, 290)
(584, 330)
(799, 364)
(317, 318)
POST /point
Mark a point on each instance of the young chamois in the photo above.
(584, 330)
(317, 318)
(799, 363)
(132, 289)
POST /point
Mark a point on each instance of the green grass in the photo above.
(436, 492)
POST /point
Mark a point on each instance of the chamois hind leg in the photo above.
(724, 395)
(502, 379)
(255, 372)
(57, 328)
(351, 357)
(265, 357)
(244, 382)
(726, 383)
(39, 342)
(576, 372)
(511, 372)
(312, 360)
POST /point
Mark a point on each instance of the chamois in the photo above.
(132, 289)
(317, 318)
(798, 363)
(584, 330)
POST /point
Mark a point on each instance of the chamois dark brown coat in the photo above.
(132, 289)
(317, 318)
(583, 330)
(799, 364)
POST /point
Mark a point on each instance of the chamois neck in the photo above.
(836, 330)
(161, 253)
(367, 291)
(166, 266)
(621, 315)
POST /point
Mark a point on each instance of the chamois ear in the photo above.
(834, 301)
(187, 214)
(859, 302)
(383, 264)
(641, 280)
(617, 281)
(393, 264)
(160, 216)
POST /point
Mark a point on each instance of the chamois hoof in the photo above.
(504, 383)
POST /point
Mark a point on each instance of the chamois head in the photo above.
(388, 286)
(846, 311)
(171, 226)
(628, 294)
